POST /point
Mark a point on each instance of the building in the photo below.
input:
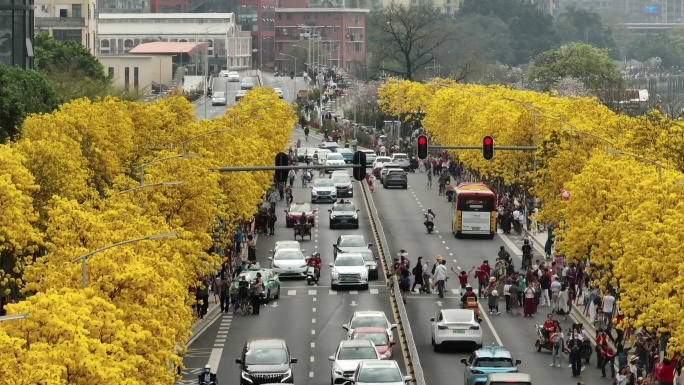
(123, 6)
(258, 17)
(339, 32)
(447, 6)
(16, 33)
(634, 11)
(67, 20)
(143, 72)
(228, 46)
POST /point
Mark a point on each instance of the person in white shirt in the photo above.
(427, 274)
(440, 276)
(607, 307)
(555, 293)
(516, 219)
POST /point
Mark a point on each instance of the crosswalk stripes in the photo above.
(371, 291)
(222, 333)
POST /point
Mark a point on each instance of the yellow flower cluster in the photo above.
(620, 214)
(63, 195)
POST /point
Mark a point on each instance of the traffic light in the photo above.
(359, 159)
(488, 147)
(281, 159)
(422, 146)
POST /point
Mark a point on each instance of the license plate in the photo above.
(475, 228)
(459, 331)
(343, 221)
(290, 272)
(347, 279)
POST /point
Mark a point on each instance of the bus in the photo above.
(474, 210)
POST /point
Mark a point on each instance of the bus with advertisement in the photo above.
(474, 210)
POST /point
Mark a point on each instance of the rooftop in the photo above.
(321, 10)
(219, 16)
(164, 47)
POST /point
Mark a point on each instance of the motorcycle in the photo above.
(429, 226)
(313, 273)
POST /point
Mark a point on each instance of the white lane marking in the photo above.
(313, 332)
(313, 320)
(373, 291)
(314, 310)
(447, 247)
(311, 359)
(313, 344)
(215, 357)
(455, 261)
(455, 291)
(332, 292)
(489, 323)
(353, 292)
(312, 292)
(443, 241)
(314, 299)
(311, 374)
(218, 345)
(292, 292)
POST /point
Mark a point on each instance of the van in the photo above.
(509, 379)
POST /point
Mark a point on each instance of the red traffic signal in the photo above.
(422, 146)
(488, 147)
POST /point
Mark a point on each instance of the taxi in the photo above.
(485, 361)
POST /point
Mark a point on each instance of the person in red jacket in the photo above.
(607, 358)
(482, 278)
(667, 371)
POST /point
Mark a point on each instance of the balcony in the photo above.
(60, 22)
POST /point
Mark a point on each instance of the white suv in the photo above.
(402, 160)
(349, 269)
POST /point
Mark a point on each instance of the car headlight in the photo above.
(355, 216)
(246, 377)
(332, 216)
(314, 192)
(373, 267)
(338, 372)
(349, 186)
(334, 274)
(276, 266)
(364, 273)
(303, 266)
(287, 375)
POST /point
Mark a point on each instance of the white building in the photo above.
(228, 46)
(67, 20)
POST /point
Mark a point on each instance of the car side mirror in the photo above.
(285, 211)
(270, 259)
(392, 343)
(330, 211)
(358, 211)
(334, 246)
(370, 245)
(464, 361)
(303, 250)
(331, 265)
(345, 327)
(293, 360)
(518, 362)
(270, 251)
(393, 326)
(331, 358)
(432, 319)
(238, 361)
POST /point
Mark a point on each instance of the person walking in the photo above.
(426, 277)
(251, 248)
(371, 183)
(418, 275)
(440, 275)
(224, 294)
(607, 307)
(555, 289)
(404, 283)
(239, 239)
(507, 294)
(558, 346)
(514, 303)
(608, 358)
(273, 199)
(493, 301)
(429, 181)
(575, 353)
(203, 298)
(529, 306)
(257, 292)
(272, 218)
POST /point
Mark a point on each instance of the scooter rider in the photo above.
(429, 219)
(316, 262)
(468, 293)
(207, 377)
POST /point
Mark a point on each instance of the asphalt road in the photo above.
(401, 216)
(310, 318)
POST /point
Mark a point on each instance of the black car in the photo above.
(266, 361)
(344, 214)
(395, 177)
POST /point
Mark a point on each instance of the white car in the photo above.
(455, 327)
(219, 98)
(349, 269)
(333, 159)
(322, 155)
(343, 184)
(348, 356)
(286, 245)
(279, 91)
(379, 372)
(370, 319)
(402, 160)
(224, 74)
(323, 190)
(233, 76)
(240, 94)
(289, 262)
(370, 156)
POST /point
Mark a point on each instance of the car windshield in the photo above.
(344, 207)
(288, 255)
(373, 375)
(369, 322)
(400, 156)
(352, 242)
(359, 353)
(367, 255)
(491, 362)
(300, 208)
(349, 261)
(341, 178)
(379, 339)
(219, 94)
(248, 80)
(266, 357)
(250, 276)
(324, 183)
(335, 157)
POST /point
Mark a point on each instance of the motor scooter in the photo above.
(313, 273)
(429, 226)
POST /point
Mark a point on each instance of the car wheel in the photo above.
(405, 187)
(277, 295)
(356, 227)
(333, 286)
(365, 287)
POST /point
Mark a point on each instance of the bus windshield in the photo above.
(475, 203)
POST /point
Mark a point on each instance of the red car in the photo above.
(296, 210)
(379, 337)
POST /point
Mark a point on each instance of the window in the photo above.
(307, 16)
(63, 35)
(126, 77)
(280, 16)
(75, 10)
(289, 16)
(110, 72)
(280, 47)
(63, 13)
(135, 77)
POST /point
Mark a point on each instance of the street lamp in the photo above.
(295, 69)
(172, 183)
(84, 257)
(142, 166)
(13, 317)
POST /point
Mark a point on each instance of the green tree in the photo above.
(404, 40)
(668, 47)
(22, 93)
(578, 24)
(592, 66)
(531, 31)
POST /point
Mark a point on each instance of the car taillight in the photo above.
(442, 327)
(475, 327)
(514, 371)
(473, 371)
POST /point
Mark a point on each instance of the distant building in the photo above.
(446, 6)
(16, 33)
(340, 31)
(67, 20)
(140, 72)
(227, 45)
